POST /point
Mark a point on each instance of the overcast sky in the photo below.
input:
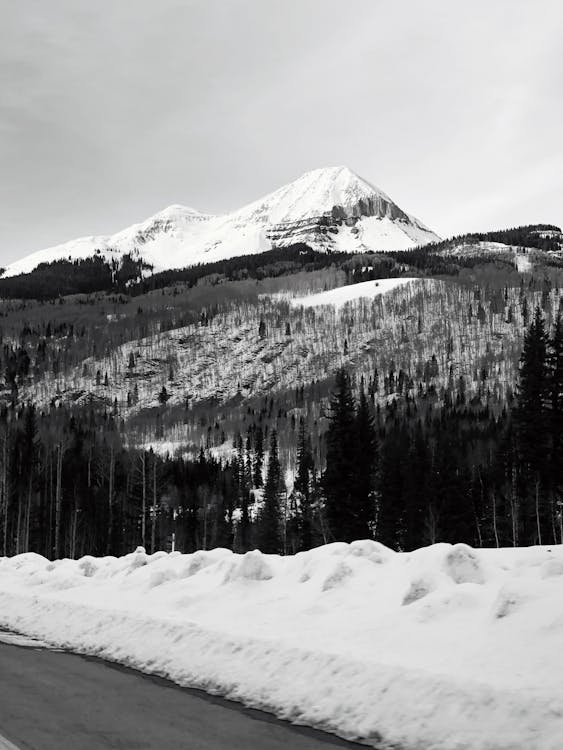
(112, 110)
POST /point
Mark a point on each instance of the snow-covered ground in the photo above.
(343, 294)
(444, 648)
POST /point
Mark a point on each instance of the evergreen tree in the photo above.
(243, 490)
(258, 457)
(394, 470)
(341, 462)
(533, 434)
(416, 468)
(556, 419)
(366, 464)
(303, 486)
(555, 363)
(268, 530)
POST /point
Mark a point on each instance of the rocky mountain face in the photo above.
(329, 209)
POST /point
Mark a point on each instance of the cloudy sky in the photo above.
(111, 110)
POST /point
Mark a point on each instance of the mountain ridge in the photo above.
(330, 208)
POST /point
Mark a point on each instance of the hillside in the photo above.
(172, 374)
(175, 393)
(547, 239)
(128, 418)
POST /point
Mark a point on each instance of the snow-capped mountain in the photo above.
(329, 209)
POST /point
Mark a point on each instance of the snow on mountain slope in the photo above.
(343, 294)
(329, 209)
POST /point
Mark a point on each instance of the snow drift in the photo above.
(443, 648)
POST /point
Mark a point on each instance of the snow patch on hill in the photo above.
(343, 294)
(444, 647)
(329, 209)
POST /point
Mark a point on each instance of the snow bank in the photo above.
(444, 648)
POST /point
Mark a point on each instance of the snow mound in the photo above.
(340, 573)
(203, 559)
(552, 568)
(418, 589)
(444, 647)
(252, 567)
(463, 565)
(88, 566)
(513, 598)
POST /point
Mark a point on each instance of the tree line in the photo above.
(408, 472)
(457, 473)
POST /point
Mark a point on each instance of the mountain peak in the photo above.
(344, 178)
(341, 174)
(317, 193)
(330, 208)
(176, 212)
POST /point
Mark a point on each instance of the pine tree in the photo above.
(532, 428)
(268, 530)
(341, 462)
(303, 486)
(364, 506)
(555, 361)
(394, 470)
(243, 490)
(258, 457)
(416, 468)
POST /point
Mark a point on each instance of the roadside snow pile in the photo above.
(443, 648)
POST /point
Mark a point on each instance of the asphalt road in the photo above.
(53, 700)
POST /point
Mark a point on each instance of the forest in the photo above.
(545, 237)
(407, 474)
(130, 275)
(233, 413)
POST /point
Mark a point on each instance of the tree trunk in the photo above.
(495, 519)
(110, 499)
(18, 527)
(58, 500)
(153, 515)
(538, 510)
(4, 487)
(73, 532)
(144, 503)
(28, 515)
